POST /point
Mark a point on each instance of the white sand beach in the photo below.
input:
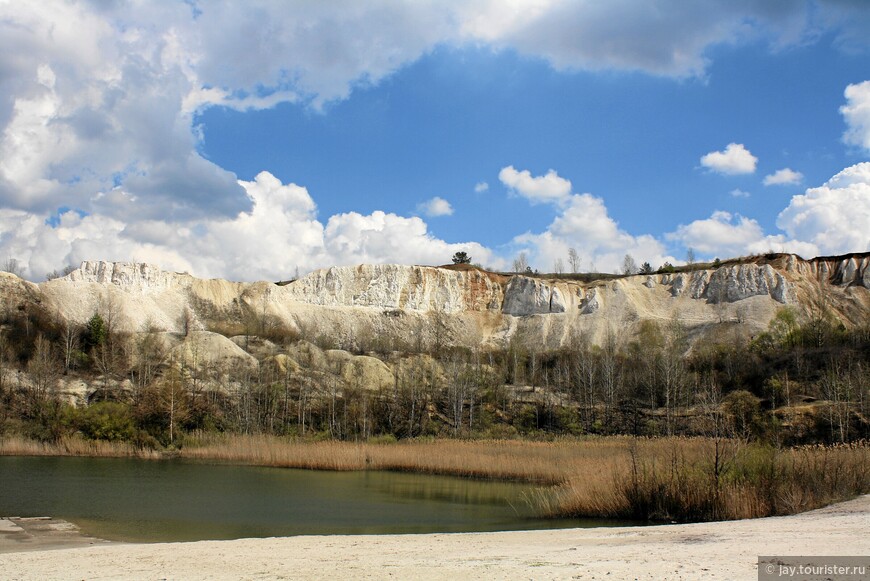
(721, 550)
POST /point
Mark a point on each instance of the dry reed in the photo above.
(660, 479)
(539, 462)
(73, 446)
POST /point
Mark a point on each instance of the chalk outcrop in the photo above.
(399, 305)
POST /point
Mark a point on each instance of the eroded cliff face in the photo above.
(391, 286)
(413, 304)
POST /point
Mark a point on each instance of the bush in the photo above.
(106, 420)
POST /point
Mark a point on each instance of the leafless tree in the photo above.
(43, 367)
(629, 266)
(13, 266)
(574, 260)
(71, 343)
(521, 263)
(690, 256)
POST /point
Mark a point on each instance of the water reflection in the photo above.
(150, 501)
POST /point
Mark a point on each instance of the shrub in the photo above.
(106, 420)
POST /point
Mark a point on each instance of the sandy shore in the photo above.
(724, 550)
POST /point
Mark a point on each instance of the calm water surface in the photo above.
(150, 501)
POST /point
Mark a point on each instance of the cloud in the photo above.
(728, 235)
(856, 113)
(381, 237)
(830, 219)
(278, 234)
(99, 100)
(738, 193)
(661, 37)
(435, 207)
(91, 103)
(783, 177)
(734, 160)
(539, 189)
(586, 226)
(481, 187)
(94, 96)
(582, 222)
(835, 216)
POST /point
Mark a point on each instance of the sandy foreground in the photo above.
(723, 550)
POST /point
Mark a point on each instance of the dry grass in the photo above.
(74, 446)
(539, 462)
(663, 479)
(676, 480)
(660, 479)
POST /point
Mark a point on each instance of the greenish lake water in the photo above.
(152, 501)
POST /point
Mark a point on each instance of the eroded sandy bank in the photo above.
(723, 550)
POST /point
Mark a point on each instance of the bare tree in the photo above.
(44, 367)
(71, 345)
(12, 266)
(173, 399)
(690, 256)
(574, 260)
(150, 354)
(59, 273)
(521, 262)
(629, 266)
(559, 266)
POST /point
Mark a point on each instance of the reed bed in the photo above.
(538, 462)
(660, 479)
(686, 484)
(74, 446)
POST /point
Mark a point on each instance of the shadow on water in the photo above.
(152, 501)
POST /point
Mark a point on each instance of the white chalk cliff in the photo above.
(460, 305)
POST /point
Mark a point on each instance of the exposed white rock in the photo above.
(698, 284)
(532, 296)
(851, 270)
(590, 304)
(391, 286)
(127, 275)
(678, 285)
(425, 306)
(737, 282)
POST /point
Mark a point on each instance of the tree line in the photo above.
(804, 380)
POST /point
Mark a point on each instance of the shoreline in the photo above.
(714, 550)
(42, 533)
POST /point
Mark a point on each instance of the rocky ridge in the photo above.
(225, 328)
(464, 305)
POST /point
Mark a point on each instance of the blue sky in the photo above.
(249, 140)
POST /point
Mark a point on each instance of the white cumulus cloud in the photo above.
(435, 207)
(99, 100)
(537, 189)
(783, 177)
(481, 187)
(582, 222)
(733, 160)
(856, 113)
(278, 234)
(728, 235)
(831, 219)
(834, 217)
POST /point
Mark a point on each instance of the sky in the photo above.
(261, 139)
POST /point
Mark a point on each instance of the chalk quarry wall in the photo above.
(468, 306)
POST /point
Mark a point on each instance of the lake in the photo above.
(174, 500)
